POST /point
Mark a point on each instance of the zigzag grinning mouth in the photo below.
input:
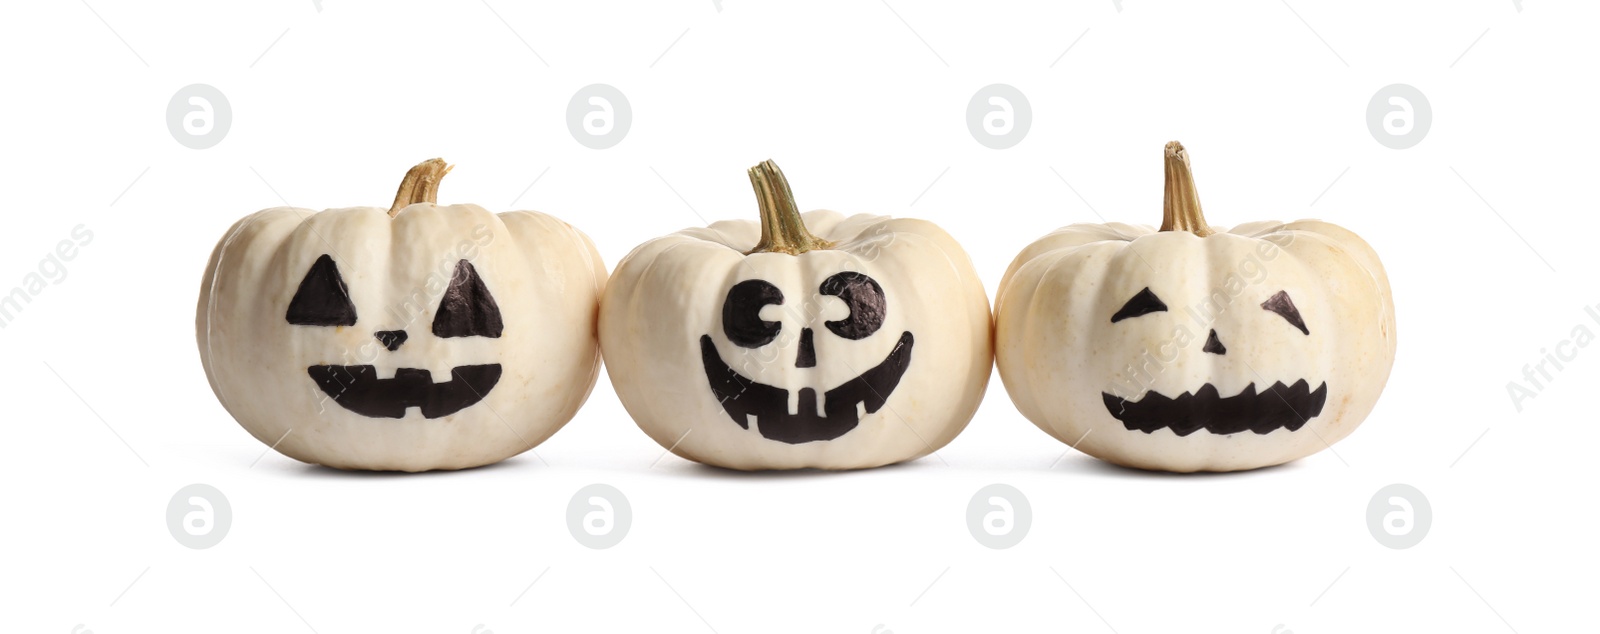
(1278, 407)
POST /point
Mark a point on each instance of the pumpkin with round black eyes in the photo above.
(802, 341)
(420, 337)
(1191, 347)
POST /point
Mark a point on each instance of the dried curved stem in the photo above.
(421, 185)
(782, 229)
(1180, 208)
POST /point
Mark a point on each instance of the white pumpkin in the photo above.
(420, 337)
(1193, 348)
(860, 342)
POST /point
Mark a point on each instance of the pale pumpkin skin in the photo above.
(669, 292)
(1058, 351)
(545, 275)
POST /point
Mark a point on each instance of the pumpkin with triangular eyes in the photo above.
(1193, 348)
(420, 337)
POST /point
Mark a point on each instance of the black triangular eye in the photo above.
(1143, 303)
(1284, 307)
(467, 309)
(323, 299)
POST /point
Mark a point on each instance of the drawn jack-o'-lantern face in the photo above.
(749, 402)
(822, 341)
(420, 337)
(1261, 411)
(466, 309)
(1192, 347)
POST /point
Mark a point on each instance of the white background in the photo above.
(107, 412)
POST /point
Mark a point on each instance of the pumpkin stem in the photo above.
(782, 229)
(421, 185)
(1180, 209)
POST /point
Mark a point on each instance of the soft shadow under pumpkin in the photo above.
(323, 472)
(699, 471)
(1085, 465)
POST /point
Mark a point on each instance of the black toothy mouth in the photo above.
(743, 398)
(357, 388)
(1280, 406)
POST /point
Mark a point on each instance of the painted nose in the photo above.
(1214, 345)
(391, 339)
(807, 357)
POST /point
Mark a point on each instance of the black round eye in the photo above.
(741, 313)
(865, 299)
